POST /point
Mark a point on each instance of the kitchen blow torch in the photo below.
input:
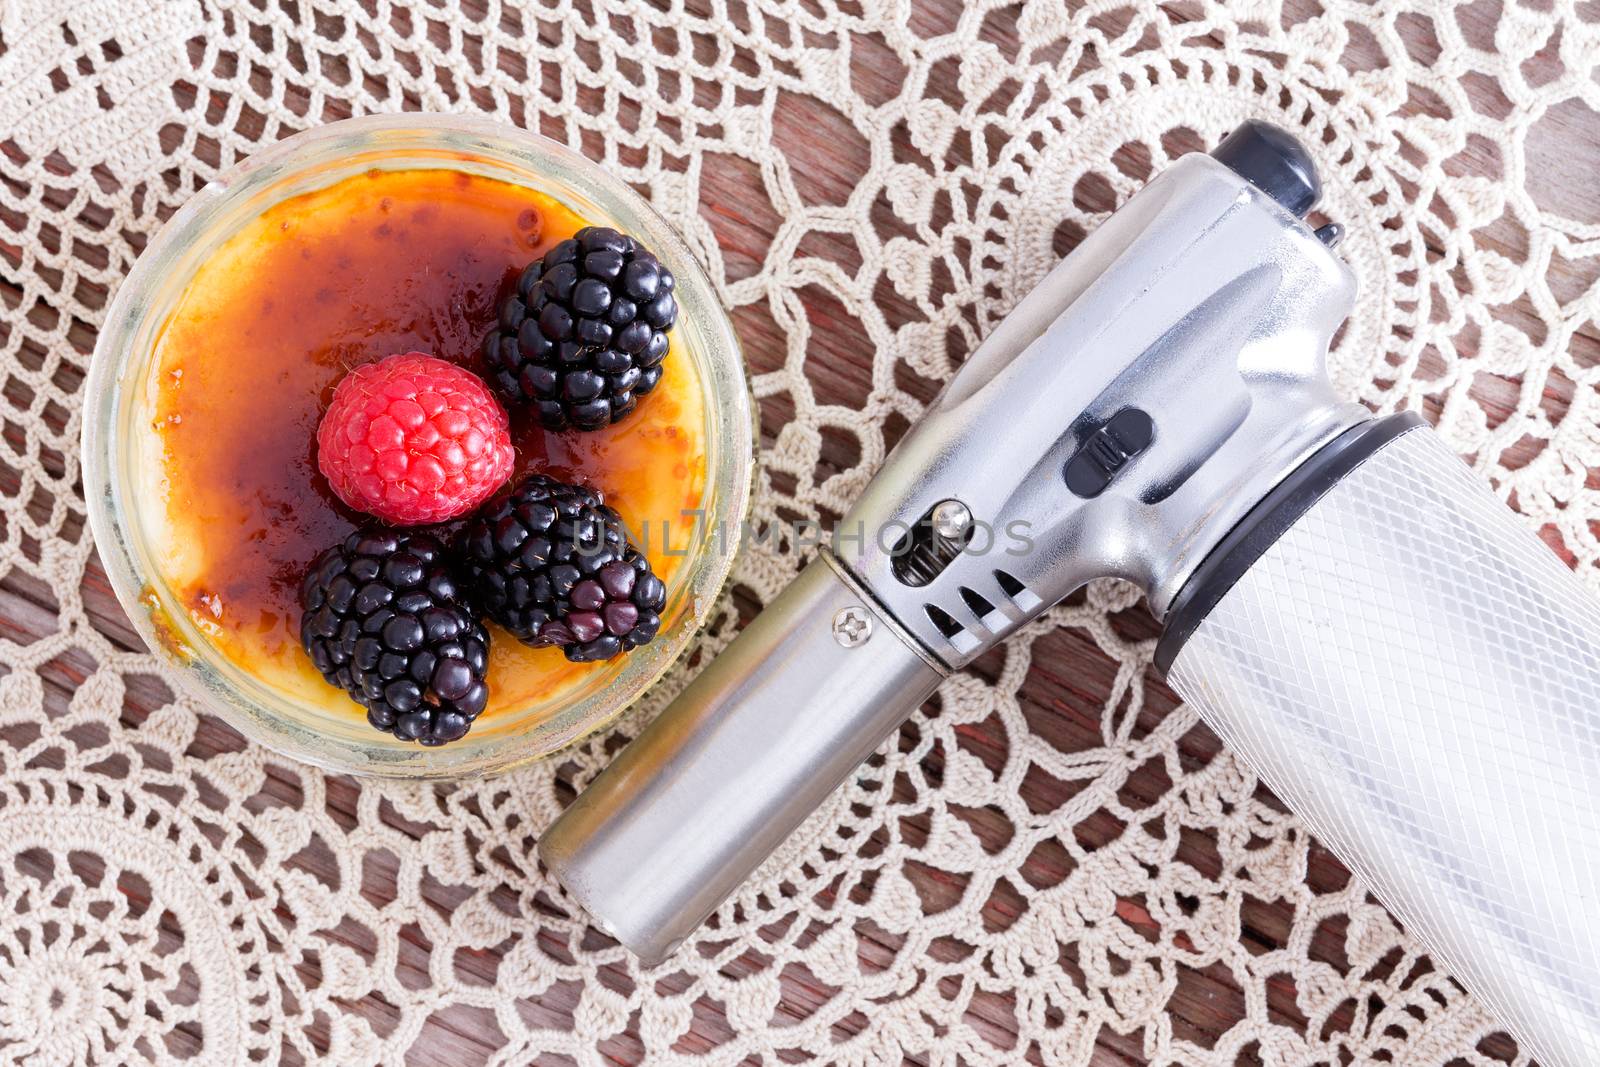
(1343, 601)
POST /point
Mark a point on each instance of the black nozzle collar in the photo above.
(1274, 161)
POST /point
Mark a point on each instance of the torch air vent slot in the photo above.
(927, 548)
(975, 601)
(942, 620)
(1020, 595)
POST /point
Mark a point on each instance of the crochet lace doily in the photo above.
(1052, 862)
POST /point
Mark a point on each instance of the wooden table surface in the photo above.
(1063, 695)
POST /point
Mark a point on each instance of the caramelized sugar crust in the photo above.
(384, 262)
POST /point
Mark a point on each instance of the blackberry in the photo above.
(552, 563)
(382, 619)
(584, 335)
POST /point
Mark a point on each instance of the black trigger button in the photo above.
(1106, 451)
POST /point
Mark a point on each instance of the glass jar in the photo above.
(123, 387)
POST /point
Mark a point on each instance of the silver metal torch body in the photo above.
(1157, 409)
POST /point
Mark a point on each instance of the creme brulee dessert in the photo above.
(326, 289)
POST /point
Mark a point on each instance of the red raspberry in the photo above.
(413, 440)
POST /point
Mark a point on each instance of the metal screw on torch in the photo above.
(951, 518)
(852, 627)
